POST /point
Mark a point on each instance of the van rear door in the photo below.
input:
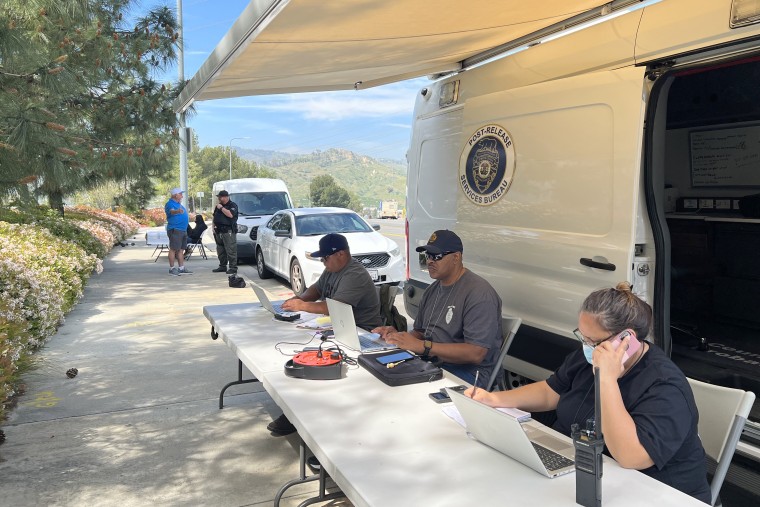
(567, 224)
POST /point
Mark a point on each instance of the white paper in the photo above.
(452, 411)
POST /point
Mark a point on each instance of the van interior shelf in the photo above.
(728, 217)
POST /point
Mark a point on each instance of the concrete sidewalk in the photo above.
(140, 424)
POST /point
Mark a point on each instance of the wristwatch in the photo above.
(428, 345)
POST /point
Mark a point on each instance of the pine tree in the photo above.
(79, 103)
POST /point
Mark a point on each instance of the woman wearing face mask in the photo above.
(649, 417)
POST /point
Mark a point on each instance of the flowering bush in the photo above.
(59, 226)
(120, 225)
(154, 216)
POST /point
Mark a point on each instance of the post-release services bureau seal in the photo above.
(487, 165)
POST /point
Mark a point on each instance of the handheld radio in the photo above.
(589, 444)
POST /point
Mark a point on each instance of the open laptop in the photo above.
(531, 445)
(346, 332)
(274, 308)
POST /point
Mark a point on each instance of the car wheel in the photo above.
(296, 278)
(261, 268)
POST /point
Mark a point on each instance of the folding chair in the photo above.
(722, 414)
(509, 325)
(389, 300)
(192, 247)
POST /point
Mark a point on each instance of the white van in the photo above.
(257, 199)
(616, 152)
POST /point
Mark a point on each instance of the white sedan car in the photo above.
(286, 241)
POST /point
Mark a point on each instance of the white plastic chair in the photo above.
(722, 414)
(509, 325)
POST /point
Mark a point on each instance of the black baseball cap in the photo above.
(441, 242)
(331, 243)
(223, 193)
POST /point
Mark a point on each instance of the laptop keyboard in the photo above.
(371, 341)
(551, 460)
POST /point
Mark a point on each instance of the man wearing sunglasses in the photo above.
(459, 320)
(344, 279)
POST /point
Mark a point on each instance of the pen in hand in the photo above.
(475, 384)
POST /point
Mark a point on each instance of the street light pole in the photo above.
(231, 152)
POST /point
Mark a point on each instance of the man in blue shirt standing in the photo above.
(176, 229)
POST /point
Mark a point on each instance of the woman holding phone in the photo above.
(649, 417)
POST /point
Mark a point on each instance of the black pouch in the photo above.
(236, 281)
(412, 371)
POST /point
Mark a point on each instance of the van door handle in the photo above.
(607, 266)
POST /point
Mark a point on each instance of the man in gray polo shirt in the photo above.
(459, 320)
(344, 279)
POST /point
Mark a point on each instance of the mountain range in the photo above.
(371, 180)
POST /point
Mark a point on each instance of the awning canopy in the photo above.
(289, 46)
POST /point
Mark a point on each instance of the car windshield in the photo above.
(314, 225)
(260, 203)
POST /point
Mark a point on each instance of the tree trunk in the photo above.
(55, 201)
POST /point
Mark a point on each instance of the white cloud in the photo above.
(385, 101)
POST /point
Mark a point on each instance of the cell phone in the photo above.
(459, 388)
(393, 358)
(439, 397)
(633, 344)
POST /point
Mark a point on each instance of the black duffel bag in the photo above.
(236, 281)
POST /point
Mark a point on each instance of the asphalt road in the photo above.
(393, 230)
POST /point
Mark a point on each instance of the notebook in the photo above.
(274, 308)
(531, 445)
(346, 332)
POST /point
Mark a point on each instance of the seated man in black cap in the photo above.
(459, 320)
(344, 279)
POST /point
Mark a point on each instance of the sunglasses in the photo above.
(437, 257)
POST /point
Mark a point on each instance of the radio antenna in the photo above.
(597, 404)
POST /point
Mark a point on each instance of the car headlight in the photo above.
(396, 251)
(242, 229)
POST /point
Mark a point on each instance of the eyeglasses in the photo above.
(437, 257)
(324, 258)
(586, 341)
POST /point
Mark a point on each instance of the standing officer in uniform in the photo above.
(225, 230)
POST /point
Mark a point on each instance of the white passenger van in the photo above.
(257, 199)
(620, 151)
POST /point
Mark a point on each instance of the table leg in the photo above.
(234, 383)
(303, 478)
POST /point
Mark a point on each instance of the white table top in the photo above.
(393, 446)
(156, 238)
(251, 332)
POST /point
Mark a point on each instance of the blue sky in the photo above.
(374, 122)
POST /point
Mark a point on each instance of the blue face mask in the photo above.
(588, 351)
